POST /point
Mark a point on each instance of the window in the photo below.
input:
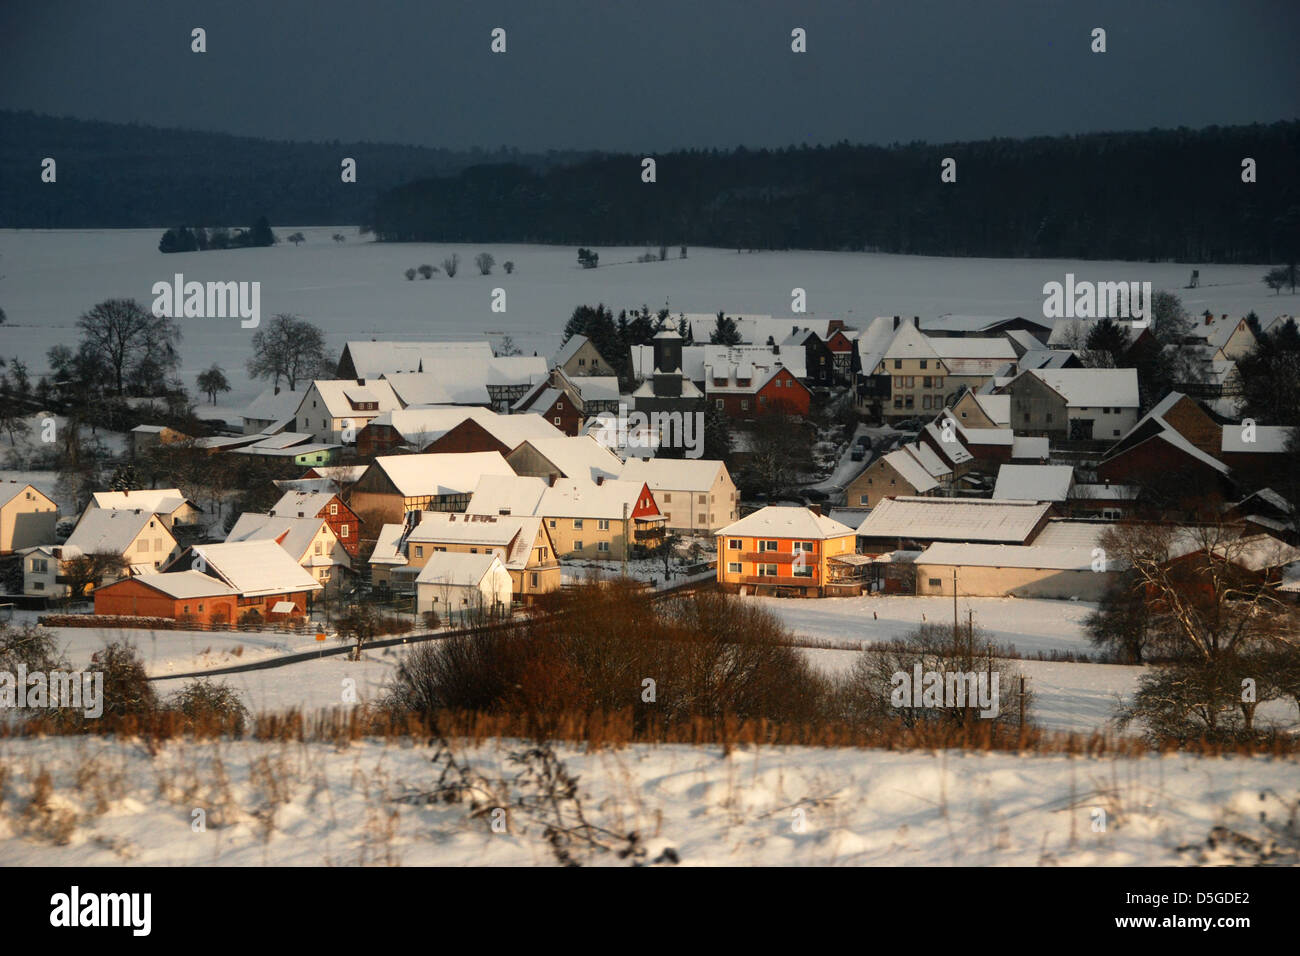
(559, 406)
(602, 546)
(318, 547)
(719, 402)
(667, 498)
(343, 530)
(733, 544)
(532, 579)
(898, 363)
(40, 565)
(925, 401)
(767, 546)
(577, 546)
(863, 500)
(923, 364)
(744, 404)
(334, 508)
(1049, 416)
(552, 522)
(803, 572)
(582, 361)
(557, 419)
(704, 499)
(142, 545)
(602, 524)
(935, 583)
(907, 401)
(925, 379)
(733, 567)
(767, 570)
(419, 550)
(700, 519)
(1115, 432)
(805, 546)
(938, 381)
(577, 524)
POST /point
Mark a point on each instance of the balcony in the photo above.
(770, 557)
(780, 580)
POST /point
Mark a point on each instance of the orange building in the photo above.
(179, 595)
(793, 552)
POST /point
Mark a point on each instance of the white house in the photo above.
(455, 585)
(334, 410)
(309, 540)
(696, 495)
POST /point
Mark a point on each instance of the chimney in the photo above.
(916, 321)
(277, 390)
(600, 480)
(815, 509)
(895, 323)
(361, 381)
(550, 479)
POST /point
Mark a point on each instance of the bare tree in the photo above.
(507, 265)
(121, 334)
(290, 348)
(426, 271)
(410, 274)
(450, 265)
(485, 262)
(89, 570)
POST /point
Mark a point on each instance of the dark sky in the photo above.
(653, 74)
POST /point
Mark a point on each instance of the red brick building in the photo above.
(342, 520)
(179, 595)
(747, 393)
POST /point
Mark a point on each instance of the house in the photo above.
(270, 584)
(557, 400)
(820, 361)
(1075, 404)
(604, 519)
(925, 373)
(744, 391)
(295, 447)
(1255, 453)
(27, 517)
(450, 428)
(396, 484)
(373, 359)
(1010, 570)
(139, 537)
(1165, 459)
(980, 410)
(326, 504)
(459, 586)
(791, 552)
(272, 411)
(581, 457)
(175, 510)
(695, 495)
(1052, 483)
(598, 394)
(521, 541)
(579, 357)
(841, 343)
(188, 596)
(310, 541)
(988, 326)
(333, 411)
(491, 381)
(913, 523)
(1103, 500)
(144, 438)
(901, 472)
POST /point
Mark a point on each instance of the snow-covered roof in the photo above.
(929, 459)
(578, 456)
(974, 323)
(1092, 387)
(954, 519)
(1067, 533)
(911, 470)
(272, 407)
(570, 498)
(506, 494)
(457, 569)
(430, 423)
(1258, 552)
(995, 348)
(162, 501)
(1266, 439)
(511, 535)
(1034, 482)
(910, 342)
(1044, 358)
(421, 388)
(996, 407)
(953, 451)
(373, 359)
(255, 568)
(1030, 449)
(340, 474)
(110, 530)
(387, 545)
(597, 388)
(184, 585)
(415, 476)
(569, 349)
(302, 504)
(673, 474)
(962, 554)
(293, 534)
(1290, 578)
(334, 393)
(787, 522)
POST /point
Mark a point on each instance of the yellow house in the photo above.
(27, 517)
(791, 552)
(522, 542)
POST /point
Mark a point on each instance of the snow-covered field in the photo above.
(313, 804)
(357, 290)
(1031, 626)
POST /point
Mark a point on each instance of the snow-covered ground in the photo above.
(316, 804)
(1031, 626)
(356, 290)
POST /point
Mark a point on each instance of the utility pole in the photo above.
(626, 543)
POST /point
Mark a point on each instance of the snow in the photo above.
(356, 290)
(948, 519)
(1034, 482)
(315, 804)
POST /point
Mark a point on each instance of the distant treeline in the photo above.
(1158, 195)
(201, 239)
(113, 175)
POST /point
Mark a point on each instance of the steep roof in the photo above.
(432, 422)
(341, 395)
(436, 473)
(1034, 482)
(9, 490)
(513, 535)
(162, 501)
(302, 504)
(456, 568)
(506, 494)
(373, 359)
(911, 470)
(295, 535)
(579, 456)
(272, 407)
(996, 407)
(954, 519)
(184, 585)
(786, 522)
(570, 498)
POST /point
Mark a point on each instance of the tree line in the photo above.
(1161, 194)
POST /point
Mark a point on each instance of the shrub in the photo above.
(205, 704)
(127, 690)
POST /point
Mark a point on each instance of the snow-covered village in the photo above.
(483, 513)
